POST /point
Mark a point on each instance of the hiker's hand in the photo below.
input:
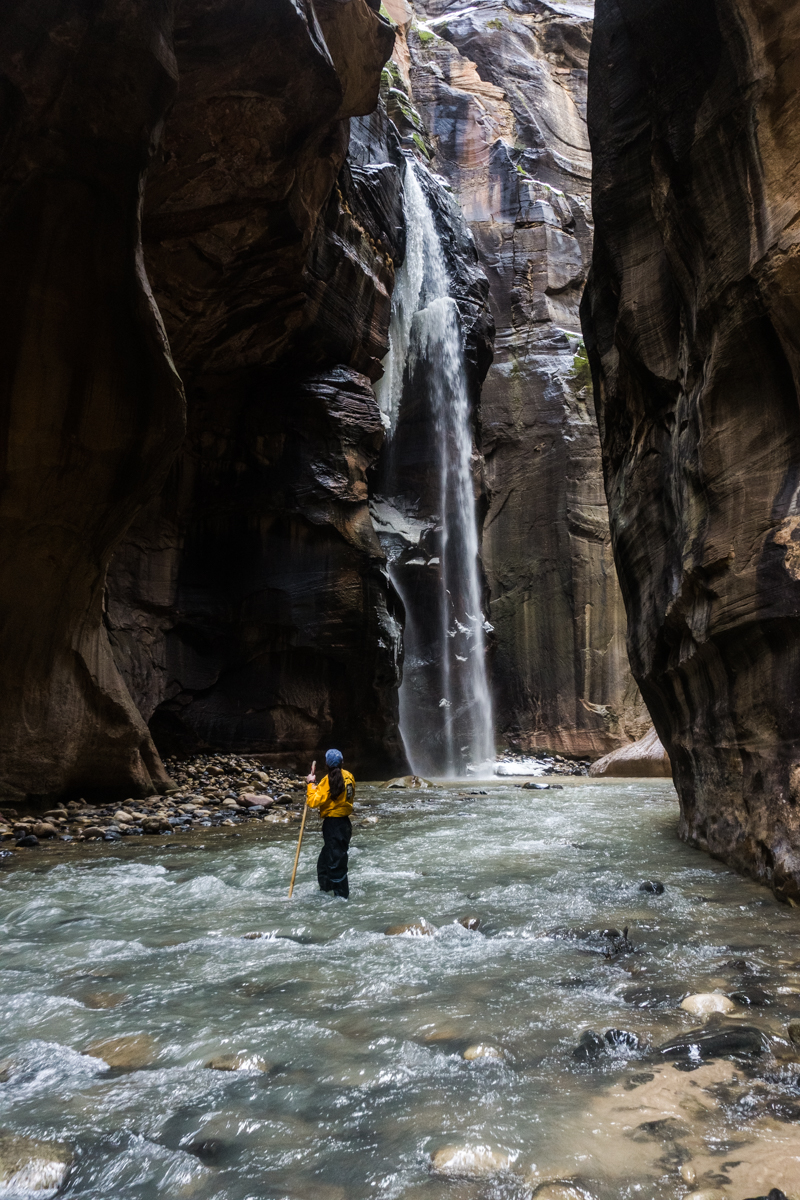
(311, 779)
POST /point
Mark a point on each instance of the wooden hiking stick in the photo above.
(300, 839)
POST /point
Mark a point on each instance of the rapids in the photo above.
(363, 1035)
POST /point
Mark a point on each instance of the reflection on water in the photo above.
(353, 1042)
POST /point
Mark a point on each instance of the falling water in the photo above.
(445, 705)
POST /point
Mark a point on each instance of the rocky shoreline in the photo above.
(212, 790)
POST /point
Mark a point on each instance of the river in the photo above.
(354, 1041)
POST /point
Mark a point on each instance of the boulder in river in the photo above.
(27, 841)
(471, 923)
(645, 759)
(409, 781)
(420, 928)
(29, 1167)
(238, 1062)
(558, 1189)
(703, 1003)
(131, 1051)
(590, 1045)
(483, 1050)
(654, 886)
(727, 1041)
(471, 1162)
(793, 1029)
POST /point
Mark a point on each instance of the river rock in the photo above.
(793, 1030)
(241, 1061)
(409, 781)
(733, 1041)
(483, 1050)
(253, 799)
(471, 1162)
(104, 999)
(644, 759)
(29, 1167)
(590, 1046)
(653, 886)
(752, 997)
(707, 1002)
(558, 1189)
(131, 1051)
(155, 824)
(420, 928)
(28, 841)
(621, 1039)
(472, 923)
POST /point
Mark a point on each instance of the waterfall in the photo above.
(445, 704)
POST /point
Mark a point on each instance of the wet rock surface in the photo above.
(248, 609)
(234, 604)
(29, 1167)
(93, 407)
(690, 322)
(497, 94)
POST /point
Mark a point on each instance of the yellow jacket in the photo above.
(338, 806)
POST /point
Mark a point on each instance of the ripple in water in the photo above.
(356, 1080)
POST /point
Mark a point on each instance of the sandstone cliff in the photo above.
(248, 607)
(242, 598)
(691, 318)
(499, 93)
(91, 407)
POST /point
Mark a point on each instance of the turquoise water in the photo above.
(362, 1035)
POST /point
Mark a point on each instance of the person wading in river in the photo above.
(333, 796)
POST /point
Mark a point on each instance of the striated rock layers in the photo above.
(247, 602)
(496, 93)
(691, 319)
(91, 408)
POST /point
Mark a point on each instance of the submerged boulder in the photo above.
(409, 781)
(240, 1061)
(483, 1050)
(29, 1167)
(420, 928)
(472, 1162)
(131, 1051)
(729, 1041)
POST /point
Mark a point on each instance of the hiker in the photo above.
(333, 796)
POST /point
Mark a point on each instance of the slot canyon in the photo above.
(418, 378)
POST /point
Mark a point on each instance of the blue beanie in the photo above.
(334, 758)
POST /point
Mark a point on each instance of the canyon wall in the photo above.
(91, 407)
(495, 95)
(691, 321)
(246, 601)
(248, 607)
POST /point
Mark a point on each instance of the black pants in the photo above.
(332, 862)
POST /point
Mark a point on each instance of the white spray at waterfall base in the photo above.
(445, 702)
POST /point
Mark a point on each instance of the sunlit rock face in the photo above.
(500, 89)
(92, 410)
(691, 318)
(248, 607)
